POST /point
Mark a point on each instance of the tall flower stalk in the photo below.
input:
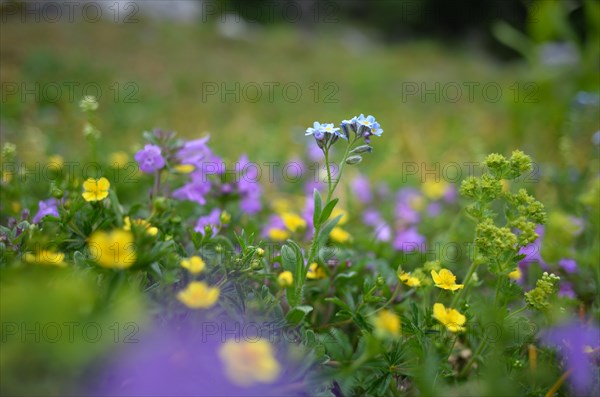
(326, 135)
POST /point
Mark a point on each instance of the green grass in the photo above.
(170, 63)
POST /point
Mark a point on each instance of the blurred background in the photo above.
(448, 80)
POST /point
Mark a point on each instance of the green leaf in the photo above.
(327, 211)
(337, 301)
(297, 314)
(324, 233)
(114, 202)
(288, 259)
(318, 204)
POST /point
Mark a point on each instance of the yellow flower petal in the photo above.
(103, 184)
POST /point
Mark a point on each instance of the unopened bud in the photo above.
(88, 103)
(225, 217)
(353, 160)
(362, 149)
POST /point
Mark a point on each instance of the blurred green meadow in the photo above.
(255, 88)
(441, 101)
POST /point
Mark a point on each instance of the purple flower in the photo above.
(362, 189)
(313, 151)
(248, 185)
(251, 203)
(47, 207)
(571, 340)
(409, 240)
(407, 205)
(195, 190)
(566, 289)
(451, 194)
(308, 213)
(198, 154)
(371, 217)
(434, 209)
(310, 185)
(383, 232)
(569, 265)
(150, 159)
(212, 219)
(533, 251)
(182, 361)
(274, 222)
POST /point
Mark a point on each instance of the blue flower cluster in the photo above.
(361, 126)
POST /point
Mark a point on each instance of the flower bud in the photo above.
(57, 193)
(362, 149)
(260, 252)
(161, 204)
(8, 151)
(225, 217)
(88, 103)
(256, 264)
(379, 281)
(90, 132)
(353, 160)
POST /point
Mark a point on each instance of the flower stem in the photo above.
(474, 265)
(329, 191)
(156, 187)
(472, 360)
(558, 383)
(517, 311)
(341, 169)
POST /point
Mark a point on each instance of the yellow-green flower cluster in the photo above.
(493, 240)
(545, 289)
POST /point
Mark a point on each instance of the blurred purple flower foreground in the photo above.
(574, 341)
(177, 363)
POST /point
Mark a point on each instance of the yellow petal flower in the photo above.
(445, 279)
(293, 222)
(142, 223)
(278, 234)
(113, 250)
(339, 235)
(409, 280)
(515, 274)
(387, 323)
(285, 279)
(450, 318)
(119, 159)
(249, 362)
(194, 265)
(184, 168)
(95, 190)
(434, 190)
(281, 205)
(198, 295)
(315, 272)
(46, 257)
(338, 211)
(56, 161)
